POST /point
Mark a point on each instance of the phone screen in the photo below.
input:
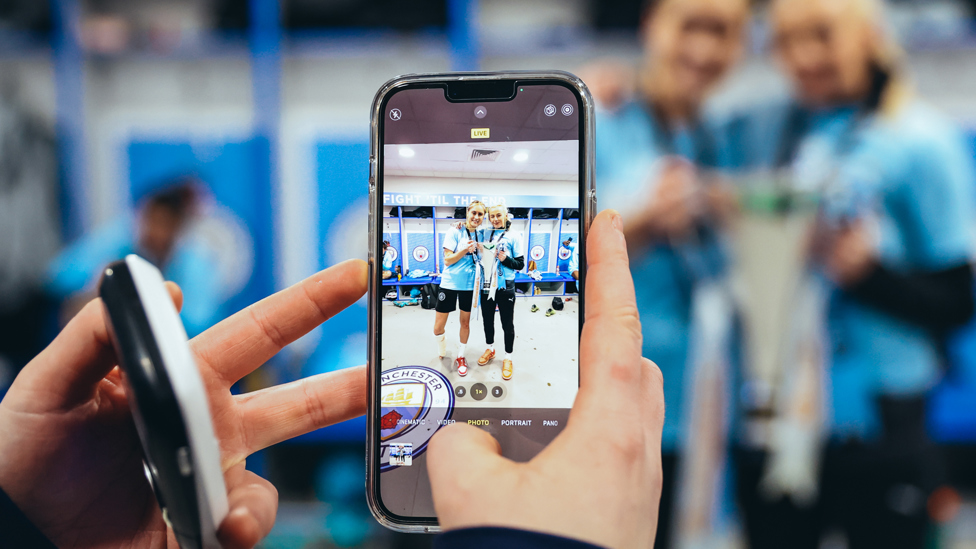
(481, 247)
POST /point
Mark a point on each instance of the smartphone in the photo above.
(481, 194)
(168, 401)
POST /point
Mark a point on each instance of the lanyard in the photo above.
(491, 237)
(476, 238)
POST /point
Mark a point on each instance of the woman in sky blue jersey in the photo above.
(457, 281)
(894, 243)
(648, 150)
(511, 259)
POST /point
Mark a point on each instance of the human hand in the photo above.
(720, 200)
(850, 255)
(472, 246)
(70, 457)
(671, 210)
(600, 479)
(501, 255)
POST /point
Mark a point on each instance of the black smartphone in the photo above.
(481, 194)
(168, 401)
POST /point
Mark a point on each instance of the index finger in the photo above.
(610, 345)
(240, 344)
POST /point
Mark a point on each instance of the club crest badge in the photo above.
(421, 253)
(414, 403)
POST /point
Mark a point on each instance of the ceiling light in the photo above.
(521, 156)
(406, 152)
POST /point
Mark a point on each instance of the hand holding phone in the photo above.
(512, 153)
(600, 479)
(71, 458)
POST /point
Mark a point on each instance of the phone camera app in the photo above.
(480, 316)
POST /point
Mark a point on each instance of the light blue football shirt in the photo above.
(460, 276)
(629, 144)
(509, 241)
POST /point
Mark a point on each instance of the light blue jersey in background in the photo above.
(460, 276)
(629, 144)
(78, 268)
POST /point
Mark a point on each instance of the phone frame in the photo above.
(168, 400)
(587, 200)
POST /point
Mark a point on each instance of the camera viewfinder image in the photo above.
(480, 306)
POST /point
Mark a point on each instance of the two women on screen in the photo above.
(457, 281)
(506, 246)
(464, 247)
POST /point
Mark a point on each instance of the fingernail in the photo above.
(617, 222)
(239, 512)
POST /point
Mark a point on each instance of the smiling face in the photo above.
(826, 47)
(476, 213)
(497, 216)
(692, 44)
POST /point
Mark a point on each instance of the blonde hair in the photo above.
(886, 54)
(504, 210)
(472, 204)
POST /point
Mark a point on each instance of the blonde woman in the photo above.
(457, 282)
(507, 249)
(895, 244)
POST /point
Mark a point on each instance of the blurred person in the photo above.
(649, 151)
(894, 241)
(30, 233)
(511, 259)
(158, 234)
(457, 282)
(72, 474)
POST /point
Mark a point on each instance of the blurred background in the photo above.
(227, 141)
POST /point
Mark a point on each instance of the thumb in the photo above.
(460, 453)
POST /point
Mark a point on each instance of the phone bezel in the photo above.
(377, 121)
(168, 401)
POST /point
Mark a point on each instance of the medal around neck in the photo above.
(168, 401)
